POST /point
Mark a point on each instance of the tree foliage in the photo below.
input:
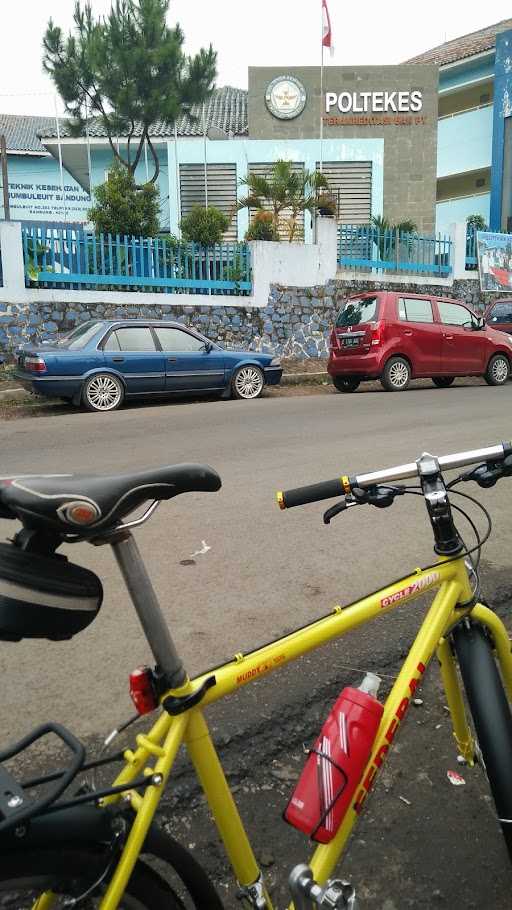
(286, 193)
(204, 225)
(129, 69)
(403, 227)
(476, 222)
(123, 208)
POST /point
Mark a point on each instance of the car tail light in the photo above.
(334, 339)
(376, 328)
(142, 690)
(35, 364)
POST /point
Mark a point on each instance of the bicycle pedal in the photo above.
(307, 894)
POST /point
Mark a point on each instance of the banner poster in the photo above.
(494, 261)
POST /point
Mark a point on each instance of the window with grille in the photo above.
(350, 182)
(221, 188)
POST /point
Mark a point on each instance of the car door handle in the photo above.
(449, 337)
(407, 333)
(117, 359)
(172, 359)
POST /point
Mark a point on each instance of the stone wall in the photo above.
(295, 322)
(21, 323)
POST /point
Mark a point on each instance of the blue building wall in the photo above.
(464, 142)
(453, 210)
(502, 111)
(243, 152)
(35, 191)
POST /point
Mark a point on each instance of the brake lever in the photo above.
(335, 510)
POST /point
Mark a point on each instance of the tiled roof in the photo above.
(226, 109)
(21, 133)
(466, 46)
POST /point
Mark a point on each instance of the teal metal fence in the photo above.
(69, 257)
(471, 252)
(366, 248)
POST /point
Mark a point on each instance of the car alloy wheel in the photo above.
(499, 370)
(397, 375)
(248, 382)
(103, 392)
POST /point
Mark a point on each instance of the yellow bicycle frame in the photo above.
(156, 751)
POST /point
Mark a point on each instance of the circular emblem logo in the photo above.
(285, 97)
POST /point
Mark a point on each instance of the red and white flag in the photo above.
(326, 28)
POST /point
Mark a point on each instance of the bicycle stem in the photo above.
(148, 609)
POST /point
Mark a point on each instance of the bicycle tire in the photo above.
(491, 715)
(26, 874)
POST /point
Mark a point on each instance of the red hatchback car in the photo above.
(398, 337)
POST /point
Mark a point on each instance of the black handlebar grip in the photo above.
(315, 492)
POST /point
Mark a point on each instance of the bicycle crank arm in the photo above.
(337, 894)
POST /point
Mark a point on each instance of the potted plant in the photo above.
(326, 205)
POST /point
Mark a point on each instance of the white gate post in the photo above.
(13, 268)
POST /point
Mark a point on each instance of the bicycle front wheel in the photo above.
(25, 876)
(491, 714)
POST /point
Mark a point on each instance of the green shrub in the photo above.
(123, 208)
(204, 225)
(262, 227)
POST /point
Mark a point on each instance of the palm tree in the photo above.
(284, 190)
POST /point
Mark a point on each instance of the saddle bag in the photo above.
(45, 596)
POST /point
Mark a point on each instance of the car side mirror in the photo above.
(208, 346)
(479, 324)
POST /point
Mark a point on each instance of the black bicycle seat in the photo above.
(86, 503)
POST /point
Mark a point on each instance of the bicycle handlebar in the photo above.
(328, 489)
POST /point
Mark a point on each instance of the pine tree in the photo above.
(129, 69)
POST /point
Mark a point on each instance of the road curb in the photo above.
(300, 378)
(16, 394)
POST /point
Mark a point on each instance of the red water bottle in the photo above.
(336, 762)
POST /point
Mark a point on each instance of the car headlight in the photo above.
(276, 361)
(509, 339)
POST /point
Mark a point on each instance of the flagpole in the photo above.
(321, 86)
(61, 171)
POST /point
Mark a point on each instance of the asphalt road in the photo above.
(266, 572)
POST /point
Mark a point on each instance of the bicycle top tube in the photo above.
(446, 463)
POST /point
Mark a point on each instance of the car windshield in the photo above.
(356, 310)
(79, 337)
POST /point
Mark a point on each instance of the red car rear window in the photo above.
(356, 310)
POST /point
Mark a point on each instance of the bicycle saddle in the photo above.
(86, 503)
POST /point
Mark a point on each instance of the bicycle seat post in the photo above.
(148, 609)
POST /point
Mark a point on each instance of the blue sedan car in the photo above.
(102, 362)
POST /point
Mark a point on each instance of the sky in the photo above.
(279, 33)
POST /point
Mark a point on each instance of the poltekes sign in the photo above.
(374, 108)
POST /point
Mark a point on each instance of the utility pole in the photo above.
(5, 179)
